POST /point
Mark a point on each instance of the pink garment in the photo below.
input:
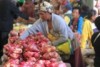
(76, 59)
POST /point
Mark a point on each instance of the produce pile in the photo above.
(19, 26)
(34, 51)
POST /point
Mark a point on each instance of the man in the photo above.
(28, 8)
(8, 12)
(62, 4)
(67, 10)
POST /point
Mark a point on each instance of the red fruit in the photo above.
(37, 65)
(53, 64)
(32, 59)
(53, 60)
(53, 48)
(39, 34)
(53, 54)
(41, 62)
(12, 63)
(47, 62)
(18, 50)
(28, 54)
(46, 56)
(15, 55)
(36, 55)
(24, 64)
(33, 47)
(13, 33)
(50, 55)
(42, 44)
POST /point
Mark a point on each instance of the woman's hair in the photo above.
(78, 8)
(97, 22)
(84, 8)
(91, 13)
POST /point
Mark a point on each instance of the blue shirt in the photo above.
(59, 26)
(80, 25)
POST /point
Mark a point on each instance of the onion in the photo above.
(34, 51)
(12, 63)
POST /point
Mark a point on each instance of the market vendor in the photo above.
(50, 23)
(52, 26)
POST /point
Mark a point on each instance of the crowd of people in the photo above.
(59, 21)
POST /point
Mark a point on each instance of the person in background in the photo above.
(62, 4)
(20, 2)
(8, 12)
(87, 32)
(56, 8)
(76, 26)
(96, 43)
(67, 10)
(84, 10)
(88, 29)
(28, 8)
(77, 22)
(53, 2)
(98, 6)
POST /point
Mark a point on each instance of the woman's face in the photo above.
(93, 17)
(75, 13)
(44, 15)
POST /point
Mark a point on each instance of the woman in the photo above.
(87, 32)
(50, 23)
(52, 26)
(76, 26)
(77, 22)
(96, 43)
(88, 29)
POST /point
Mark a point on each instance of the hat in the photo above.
(45, 6)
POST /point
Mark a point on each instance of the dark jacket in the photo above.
(8, 12)
(96, 44)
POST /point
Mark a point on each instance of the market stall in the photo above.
(34, 51)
